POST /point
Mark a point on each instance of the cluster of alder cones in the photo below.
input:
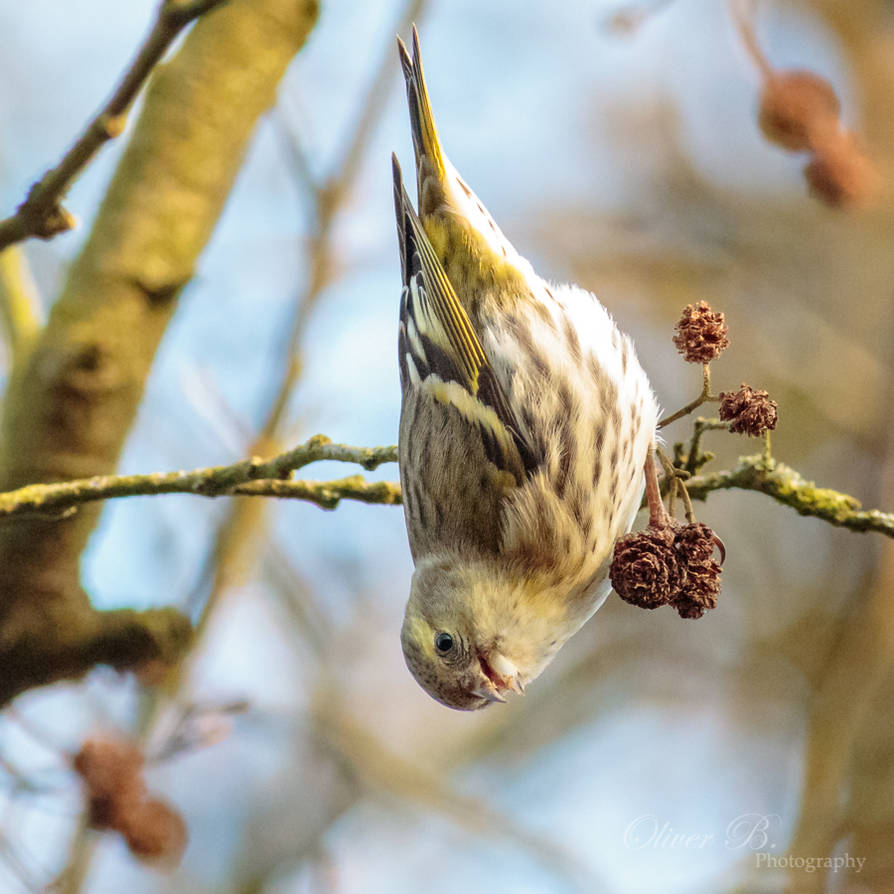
(800, 112)
(672, 563)
(117, 799)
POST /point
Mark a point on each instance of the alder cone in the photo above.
(796, 107)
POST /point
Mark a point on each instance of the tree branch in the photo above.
(121, 638)
(250, 477)
(269, 478)
(327, 494)
(42, 214)
(785, 485)
(703, 397)
(72, 396)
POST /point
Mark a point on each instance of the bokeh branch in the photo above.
(42, 214)
(123, 639)
(72, 396)
(20, 307)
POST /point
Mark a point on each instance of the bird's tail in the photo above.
(429, 155)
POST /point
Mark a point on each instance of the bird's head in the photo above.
(450, 637)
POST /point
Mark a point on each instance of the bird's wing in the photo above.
(441, 353)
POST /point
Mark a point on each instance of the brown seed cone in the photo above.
(112, 772)
(695, 544)
(701, 333)
(105, 763)
(645, 570)
(155, 831)
(701, 590)
(796, 108)
(748, 411)
(839, 174)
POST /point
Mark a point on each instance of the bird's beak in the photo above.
(498, 676)
(486, 689)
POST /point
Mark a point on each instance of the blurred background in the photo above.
(617, 147)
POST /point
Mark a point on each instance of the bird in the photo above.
(526, 421)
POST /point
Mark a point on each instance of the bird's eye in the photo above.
(443, 643)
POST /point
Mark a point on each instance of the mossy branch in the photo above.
(270, 478)
(327, 494)
(42, 214)
(784, 484)
(250, 477)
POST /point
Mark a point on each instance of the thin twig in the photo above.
(254, 477)
(326, 494)
(695, 459)
(742, 14)
(688, 511)
(703, 397)
(672, 495)
(42, 214)
(676, 480)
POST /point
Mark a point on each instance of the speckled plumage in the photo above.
(525, 423)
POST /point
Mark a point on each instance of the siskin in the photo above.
(525, 424)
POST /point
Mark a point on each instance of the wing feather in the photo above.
(439, 347)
